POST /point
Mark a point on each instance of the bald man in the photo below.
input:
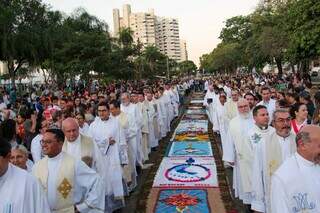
(238, 151)
(81, 147)
(295, 186)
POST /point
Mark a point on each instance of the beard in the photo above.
(244, 115)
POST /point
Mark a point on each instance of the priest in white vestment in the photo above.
(176, 100)
(239, 151)
(105, 132)
(69, 183)
(20, 191)
(132, 111)
(220, 124)
(143, 108)
(170, 96)
(165, 103)
(152, 120)
(159, 121)
(209, 102)
(127, 160)
(295, 185)
(269, 153)
(82, 147)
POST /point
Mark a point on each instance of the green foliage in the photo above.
(284, 31)
(187, 67)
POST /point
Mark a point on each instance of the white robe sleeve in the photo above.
(36, 150)
(279, 202)
(37, 201)
(215, 121)
(89, 183)
(258, 200)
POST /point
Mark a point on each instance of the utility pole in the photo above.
(168, 74)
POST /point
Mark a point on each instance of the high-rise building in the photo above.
(150, 29)
(167, 37)
(116, 22)
(143, 27)
(183, 50)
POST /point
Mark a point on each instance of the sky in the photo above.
(200, 21)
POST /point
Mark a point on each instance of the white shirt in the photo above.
(36, 148)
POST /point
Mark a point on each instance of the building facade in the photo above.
(150, 29)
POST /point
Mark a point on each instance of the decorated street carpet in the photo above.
(186, 180)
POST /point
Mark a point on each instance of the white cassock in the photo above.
(220, 123)
(100, 131)
(168, 95)
(239, 151)
(157, 121)
(210, 107)
(80, 151)
(227, 90)
(271, 107)
(269, 154)
(127, 127)
(21, 193)
(295, 186)
(176, 101)
(152, 115)
(85, 129)
(164, 110)
(135, 118)
(36, 148)
(144, 130)
(69, 182)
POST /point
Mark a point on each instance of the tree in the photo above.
(22, 27)
(186, 67)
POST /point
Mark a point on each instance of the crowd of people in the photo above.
(81, 150)
(270, 138)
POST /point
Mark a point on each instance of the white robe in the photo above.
(151, 116)
(135, 121)
(85, 129)
(160, 120)
(295, 186)
(36, 149)
(21, 193)
(220, 123)
(165, 115)
(170, 100)
(74, 149)
(261, 180)
(88, 189)
(240, 156)
(100, 131)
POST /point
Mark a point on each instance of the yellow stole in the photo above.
(86, 149)
(64, 184)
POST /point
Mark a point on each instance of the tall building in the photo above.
(116, 22)
(183, 49)
(150, 29)
(167, 37)
(143, 27)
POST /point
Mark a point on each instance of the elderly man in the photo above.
(69, 183)
(239, 151)
(19, 158)
(231, 105)
(81, 147)
(295, 185)
(269, 154)
(20, 191)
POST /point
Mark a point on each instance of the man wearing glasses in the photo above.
(71, 186)
(269, 155)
